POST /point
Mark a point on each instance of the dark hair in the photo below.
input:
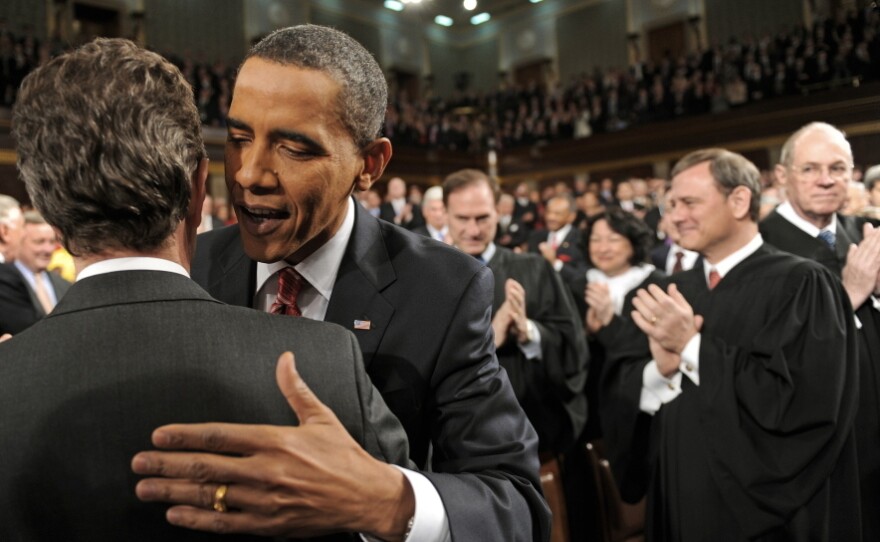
(729, 170)
(628, 225)
(467, 177)
(108, 137)
(363, 97)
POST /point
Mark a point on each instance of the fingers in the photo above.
(197, 466)
(239, 497)
(698, 322)
(5, 337)
(303, 401)
(223, 523)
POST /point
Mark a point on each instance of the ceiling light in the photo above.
(470, 5)
(443, 20)
(535, 1)
(393, 5)
(480, 18)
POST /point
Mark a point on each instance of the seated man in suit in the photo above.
(419, 309)
(538, 334)
(562, 244)
(17, 312)
(45, 289)
(815, 167)
(135, 343)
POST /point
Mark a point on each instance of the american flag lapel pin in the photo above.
(362, 324)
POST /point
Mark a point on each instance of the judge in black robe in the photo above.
(781, 233)
(756, 443)
(550, 389)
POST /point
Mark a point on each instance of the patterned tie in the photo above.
(829, 237)
(677, 267)
(714, 279)
(289, 285)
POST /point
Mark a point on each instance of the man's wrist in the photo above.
(394, 521)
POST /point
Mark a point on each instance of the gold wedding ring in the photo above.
(220, 498)
(653, 319)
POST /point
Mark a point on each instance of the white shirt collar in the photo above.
(724, 266)
(489, 252)
(322, 266)
(560, 234)
(787, 211)
(435, 233)
(134, 263)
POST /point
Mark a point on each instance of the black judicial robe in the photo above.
(784, 235)
(551, 391)
(763, 448)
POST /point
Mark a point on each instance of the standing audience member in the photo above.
(17, 312)
(397, 209)
(670, 257)
(135, 343)
(537, 331)
(512, 234)
(734, 409)
(11, 228)
(815, 168)
(562, 244)
(435, 216)
(419, 309)
(37, 244)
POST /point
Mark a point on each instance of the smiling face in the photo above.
(37, 246)
(290, 162)
(703, 215)
(610, 251)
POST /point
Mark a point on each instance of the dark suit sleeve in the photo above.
(485, 449)
(17, 313)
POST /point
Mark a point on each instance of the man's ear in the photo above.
(376, 156)
(740, 199)
(781, 174)
(197, 195)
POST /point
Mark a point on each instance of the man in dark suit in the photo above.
(816, 167)
(135, 343)
(45, 289)
(561, 244)
(512, 233)
(434, 213)
(398, 210)
(17, 312)
(538, 334)
(420, 310)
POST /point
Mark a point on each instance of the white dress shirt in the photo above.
(31, 279)
(320, 269)
(658, 390)
(688, 258)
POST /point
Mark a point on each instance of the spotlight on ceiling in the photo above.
(480, 18)
(393, 5)
(536, 1)
(470, 5)
(443, 20)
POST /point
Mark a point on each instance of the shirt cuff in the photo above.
(531, 349)
(657, 390)
(690, 359)
(557, 265)
(429, 522)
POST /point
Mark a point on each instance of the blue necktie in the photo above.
(829, 238)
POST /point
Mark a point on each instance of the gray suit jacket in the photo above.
(82, 390)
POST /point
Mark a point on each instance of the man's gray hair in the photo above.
(7, 205)
(363, 97)
(432, 194)
(108, 138)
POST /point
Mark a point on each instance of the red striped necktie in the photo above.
(289, 285)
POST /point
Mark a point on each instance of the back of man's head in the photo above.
(108, 138)
(364, 93)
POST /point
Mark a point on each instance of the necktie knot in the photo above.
(289, 285)
(678, 266)
(714, 279)
(829, 237)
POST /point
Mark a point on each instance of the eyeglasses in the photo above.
(812, 172)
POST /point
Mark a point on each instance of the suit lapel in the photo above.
(236, 280)
(366, 270)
